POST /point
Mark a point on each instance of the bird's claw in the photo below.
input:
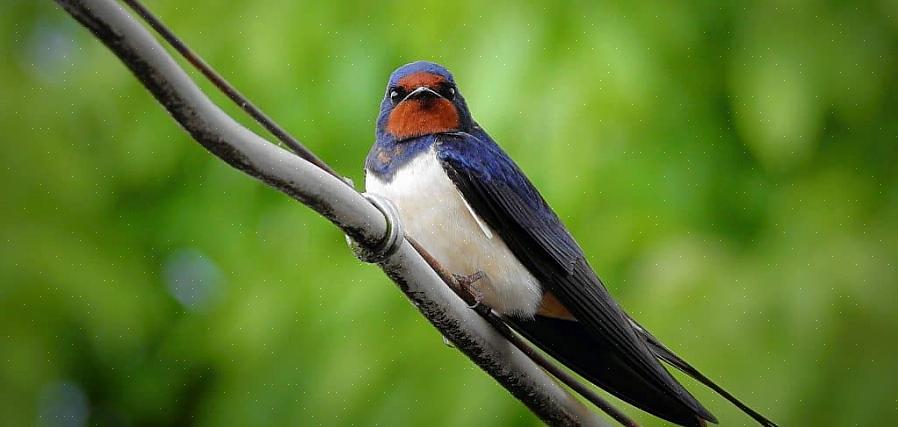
(467, 285)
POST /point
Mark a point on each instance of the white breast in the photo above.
(434, 213)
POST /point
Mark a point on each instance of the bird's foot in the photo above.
(467, 284)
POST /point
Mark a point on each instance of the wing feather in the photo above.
(506, 200)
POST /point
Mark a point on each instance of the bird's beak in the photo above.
(422, 92)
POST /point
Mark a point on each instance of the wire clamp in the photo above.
(393, 237)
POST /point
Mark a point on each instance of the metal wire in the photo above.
(229, 90)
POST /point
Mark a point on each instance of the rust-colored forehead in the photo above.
(421, 78)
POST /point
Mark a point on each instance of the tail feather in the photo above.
(668, 356)
(570, 343)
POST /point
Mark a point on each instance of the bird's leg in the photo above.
(467, 284)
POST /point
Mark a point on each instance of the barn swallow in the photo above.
(470, 206)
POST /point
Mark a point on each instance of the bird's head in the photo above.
(422, 99)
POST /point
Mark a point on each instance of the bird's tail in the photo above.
(570, 343)
(668, 356)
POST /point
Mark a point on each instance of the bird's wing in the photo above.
(506, 200)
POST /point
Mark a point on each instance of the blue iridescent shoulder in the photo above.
(491, 181)
(482, 157)
(462, 149)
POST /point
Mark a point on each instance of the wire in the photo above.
(230, 91)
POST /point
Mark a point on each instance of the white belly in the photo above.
(434, 213)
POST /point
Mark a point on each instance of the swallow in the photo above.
(470, 206)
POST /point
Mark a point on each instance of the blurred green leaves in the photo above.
(729, 168)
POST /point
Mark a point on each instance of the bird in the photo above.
(467, 203)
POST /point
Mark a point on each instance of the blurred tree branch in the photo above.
(329, 196)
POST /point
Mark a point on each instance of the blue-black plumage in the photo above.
(469, 205)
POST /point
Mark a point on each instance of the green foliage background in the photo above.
(730, 168)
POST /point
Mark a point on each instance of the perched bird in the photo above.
(467, 203)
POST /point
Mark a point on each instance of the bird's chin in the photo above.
(425, 116)
(426, 104)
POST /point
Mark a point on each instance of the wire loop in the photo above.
(392, 238)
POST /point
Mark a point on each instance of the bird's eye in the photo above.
(396, 95)
(448, 92)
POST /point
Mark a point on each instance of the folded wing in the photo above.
(506, 200)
